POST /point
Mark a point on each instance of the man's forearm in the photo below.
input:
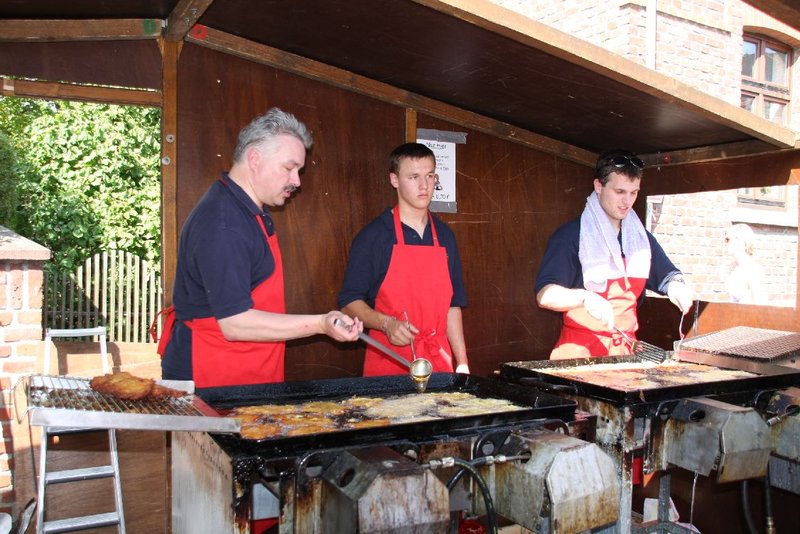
(455, 335)
(257, 325)
(371, 318)
(559, 298)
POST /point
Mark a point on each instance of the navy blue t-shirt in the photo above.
(222, 256)
(562, 266)
(371, 252)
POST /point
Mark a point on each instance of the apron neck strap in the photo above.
(398, 227)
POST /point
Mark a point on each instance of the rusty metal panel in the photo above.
(705, 434)
(202, 486)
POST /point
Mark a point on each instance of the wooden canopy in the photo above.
(509, 75)
(536, 103)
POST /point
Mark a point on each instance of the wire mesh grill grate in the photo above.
(70, 393)
(748, 342)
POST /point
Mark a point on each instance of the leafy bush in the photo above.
(87, 177)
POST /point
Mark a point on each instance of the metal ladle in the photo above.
(419, 370)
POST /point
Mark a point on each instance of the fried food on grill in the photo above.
(361, 402)
(368, 423)
(354, 413)
(317, 427)
(163, 392)
(126, 386)
(633, 376)
(260, 431)
(122, 385)
(266, 410)
(327, 407)
(300, 418)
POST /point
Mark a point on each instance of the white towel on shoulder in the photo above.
(599, 251)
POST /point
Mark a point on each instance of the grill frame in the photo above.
(62, 401)
(543, 406)
(768, 377)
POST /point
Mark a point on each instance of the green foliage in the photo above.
(87, 177)
(8, 199)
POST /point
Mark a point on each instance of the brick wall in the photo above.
(21, 263)
(691, 229)
(698, 42)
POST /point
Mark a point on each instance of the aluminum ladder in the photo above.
(111, 470)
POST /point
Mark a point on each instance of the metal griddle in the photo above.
(767, 377)
(70, 402)
(541, 405)
(758, 344)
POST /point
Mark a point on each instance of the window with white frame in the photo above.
(765, 78)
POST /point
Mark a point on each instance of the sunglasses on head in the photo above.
(623, 161)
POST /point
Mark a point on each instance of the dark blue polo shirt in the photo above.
(562, 266)
(222, 256)
(371, 252)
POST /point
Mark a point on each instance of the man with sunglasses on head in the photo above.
(596, 267)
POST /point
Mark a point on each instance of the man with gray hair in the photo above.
(228, 324)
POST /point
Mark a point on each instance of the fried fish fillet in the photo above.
(122, 385)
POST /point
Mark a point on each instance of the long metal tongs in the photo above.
(645, 351)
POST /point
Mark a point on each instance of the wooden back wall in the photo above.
(510, 198)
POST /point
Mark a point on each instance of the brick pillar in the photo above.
(21, 341)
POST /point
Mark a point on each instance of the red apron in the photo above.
(219, 362)
(418, 283)
(583, 336)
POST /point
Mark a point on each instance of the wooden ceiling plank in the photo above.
(512, 25)
(83, 93)
(78, 30)
(184, 17)
(246, 49)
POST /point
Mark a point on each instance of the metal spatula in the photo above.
(645, 351)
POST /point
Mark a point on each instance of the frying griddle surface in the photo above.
(555, 373)
(536, 405)
(271, 421)
(637, 376)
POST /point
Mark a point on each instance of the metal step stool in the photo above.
(73, 524)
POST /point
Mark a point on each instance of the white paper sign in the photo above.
(446, 169)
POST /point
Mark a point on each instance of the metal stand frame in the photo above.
(662, 523)
(117, 517)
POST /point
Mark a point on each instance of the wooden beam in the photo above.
(237, 46)
(709, 153)
(79, 30)
(529, 32)
(83, 93)
(184, 17)
(411, 125)
(170, 51)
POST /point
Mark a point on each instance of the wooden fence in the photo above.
(114, 289)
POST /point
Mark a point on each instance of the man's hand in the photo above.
(680, 295)
(399, 333)
(462, 368)
(341, 327)
(599, 308)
